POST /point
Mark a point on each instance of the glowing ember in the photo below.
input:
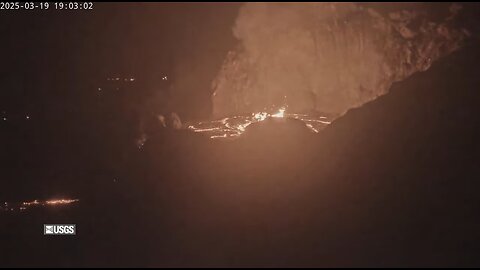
(260, 116)
(280, 113)
(233, 127)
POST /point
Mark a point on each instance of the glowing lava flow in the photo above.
(62, 201)
(279, 114)
(36, 203)
(233, 127)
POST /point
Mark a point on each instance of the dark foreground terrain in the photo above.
(393, 183)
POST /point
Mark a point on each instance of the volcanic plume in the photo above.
(326, 57)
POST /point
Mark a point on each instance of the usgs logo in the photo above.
(59, 229)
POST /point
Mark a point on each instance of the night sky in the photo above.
(59, 98)
(54, 56)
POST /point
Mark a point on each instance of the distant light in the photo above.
(4, 119)
(164, 78)
(99, 89)
(27, 117)
(35, 202)
(132, 79)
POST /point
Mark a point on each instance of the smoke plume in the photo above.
(326, 57)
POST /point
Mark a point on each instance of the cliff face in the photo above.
(325, 57)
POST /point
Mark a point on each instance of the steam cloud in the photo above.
(325, 57)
